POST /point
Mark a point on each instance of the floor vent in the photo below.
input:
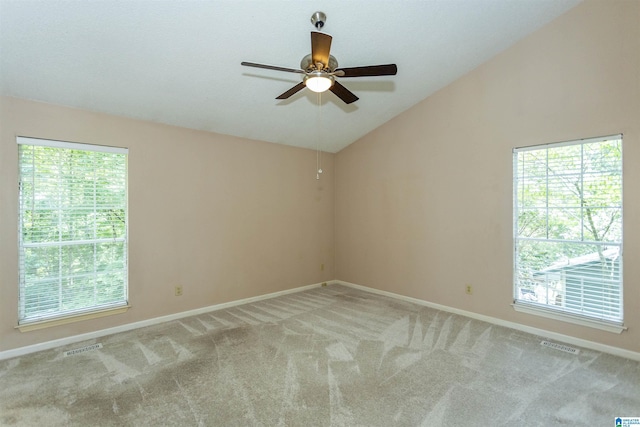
(560, 347)
(82, 349)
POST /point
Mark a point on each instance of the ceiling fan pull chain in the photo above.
(318, 127)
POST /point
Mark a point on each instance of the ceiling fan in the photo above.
(320, 68)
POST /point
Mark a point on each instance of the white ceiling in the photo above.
(178, 62)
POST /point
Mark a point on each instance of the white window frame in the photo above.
(53, 318)
(547, 310)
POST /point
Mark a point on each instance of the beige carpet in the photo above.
(328, 356)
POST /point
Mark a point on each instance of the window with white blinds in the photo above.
(72, 228)
(568, 228)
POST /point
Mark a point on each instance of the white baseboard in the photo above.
(616, 351)
(21, 351)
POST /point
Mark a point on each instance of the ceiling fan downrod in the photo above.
(318, 19)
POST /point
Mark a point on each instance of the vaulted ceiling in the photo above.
(178, 62)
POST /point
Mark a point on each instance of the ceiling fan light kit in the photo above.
(318, 82)
(320, 68)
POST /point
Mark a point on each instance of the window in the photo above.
(72, 229)
(568, 231)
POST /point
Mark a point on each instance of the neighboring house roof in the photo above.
(610, 254)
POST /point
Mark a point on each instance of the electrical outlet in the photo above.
(469, 289)
(178, 291)
(321, 267)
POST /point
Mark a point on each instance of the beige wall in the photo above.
(226, 218)
(424, 203)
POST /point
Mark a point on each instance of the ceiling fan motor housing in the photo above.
(307, 64)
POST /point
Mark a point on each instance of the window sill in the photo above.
(41, 324)
(566, 317)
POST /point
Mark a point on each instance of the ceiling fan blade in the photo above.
(297, 88)
(343, 93)
(320, 48)
(271, 67)
(368, 71)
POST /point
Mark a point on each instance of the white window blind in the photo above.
(72, 228)
(568, 228)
